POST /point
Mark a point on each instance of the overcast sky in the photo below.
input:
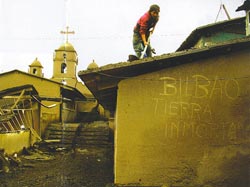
(103, 28)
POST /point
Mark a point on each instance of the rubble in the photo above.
(89, 167)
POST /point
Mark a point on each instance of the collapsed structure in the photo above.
(179, 119)
(30, 103)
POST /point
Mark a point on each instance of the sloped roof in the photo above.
(236, 26)
(29, 90)
(36, 63)
(103, 81)
(68, 91)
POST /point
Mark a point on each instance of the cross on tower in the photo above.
(67, 32)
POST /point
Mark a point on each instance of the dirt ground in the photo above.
(86, 167)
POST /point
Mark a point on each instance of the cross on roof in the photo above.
(67, 32)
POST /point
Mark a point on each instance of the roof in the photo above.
(30, 75)
(68, 91)
(72, 93)
(103, 81)
(233, 26)
(66, 47)
(245, 6)
(36, 63)
(28, 88)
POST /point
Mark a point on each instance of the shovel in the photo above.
(146, 46)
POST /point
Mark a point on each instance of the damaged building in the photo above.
(18, 114)
(31, 106)
(181, 119)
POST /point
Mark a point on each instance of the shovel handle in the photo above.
(146, 46)
(144, 51)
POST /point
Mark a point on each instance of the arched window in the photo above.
(63, 68)
(34, 71)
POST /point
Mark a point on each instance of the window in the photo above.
(63, 68)
(34, 71)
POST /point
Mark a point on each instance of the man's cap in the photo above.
(155, 8)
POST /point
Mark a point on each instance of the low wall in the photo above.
(14, 142)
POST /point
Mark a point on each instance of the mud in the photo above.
(85, 167)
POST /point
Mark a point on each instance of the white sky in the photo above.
(103, 28)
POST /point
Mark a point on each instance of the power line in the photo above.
(88, 37)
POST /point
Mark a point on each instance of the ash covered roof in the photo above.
(103, 81)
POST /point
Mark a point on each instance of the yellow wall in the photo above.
(184, 125)
(14, 142)
(44, 88)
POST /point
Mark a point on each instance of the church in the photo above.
(29, 102)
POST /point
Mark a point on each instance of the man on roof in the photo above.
(143, 30)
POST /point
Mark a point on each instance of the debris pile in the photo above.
(8, 161)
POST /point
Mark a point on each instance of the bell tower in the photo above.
(65, 62)
(36, 68)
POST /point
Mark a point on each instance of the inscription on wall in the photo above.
(191, 107)
(201, 87)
